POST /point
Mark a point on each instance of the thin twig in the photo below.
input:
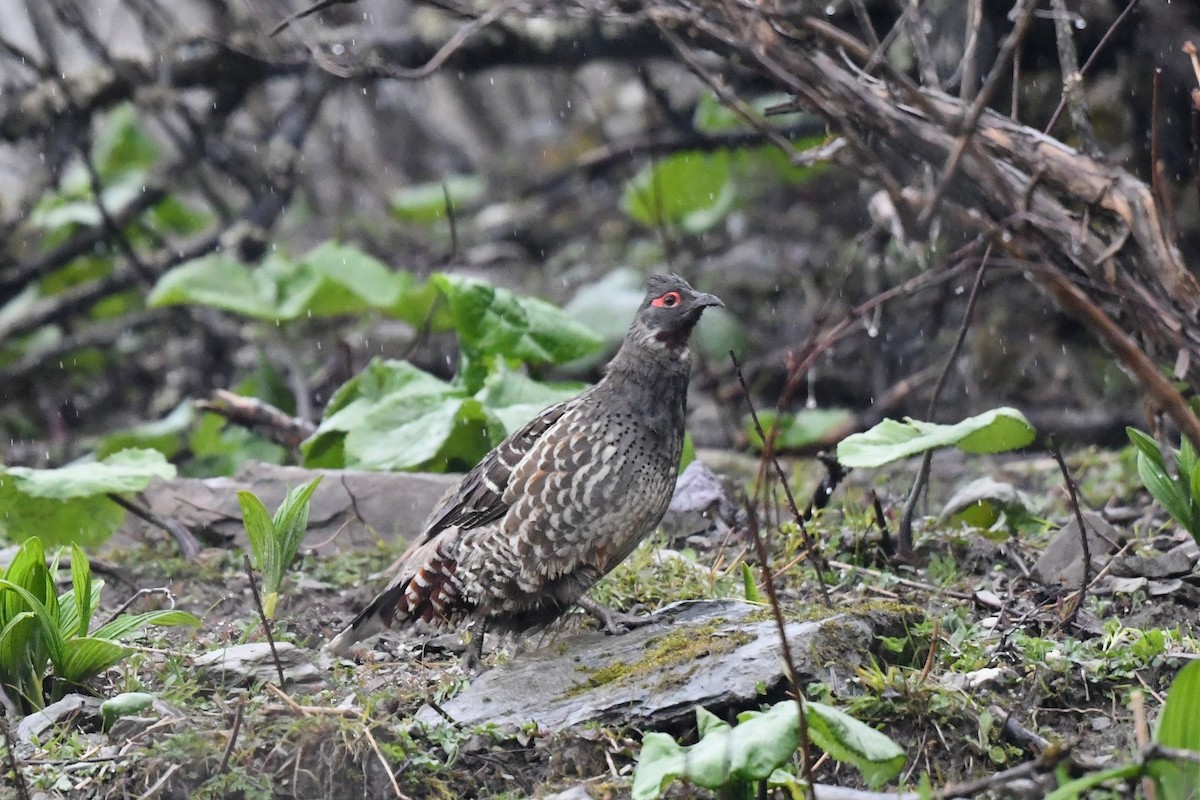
(233, 734)
(383, 762)
(189, 548)
(1083, 537)
(262, 616)
(904, 539)
(141, 593)
(764, 560)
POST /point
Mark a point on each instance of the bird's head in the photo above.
(669, 312)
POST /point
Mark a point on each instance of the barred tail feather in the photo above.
(373, 619)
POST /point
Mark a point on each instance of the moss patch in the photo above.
(676, 647)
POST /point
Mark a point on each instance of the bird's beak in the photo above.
(704, 300)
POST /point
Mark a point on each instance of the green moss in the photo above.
(676, 647)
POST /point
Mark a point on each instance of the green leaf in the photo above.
(127, 624)
(402, 433)
(126, 471)
(1076, 789)
(425, 203)
(86, 657)
(1179, 726)
(514, 398)
(990, 432)
(692, 190)
(122, 145)
(661, 762)
(749, 585)
(334, 279)
(220, 281)
(845, 739)
(81, 520)
(492, 321)
(81, 585)
(260, 530)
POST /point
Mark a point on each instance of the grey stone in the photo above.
(73, 706)
(391, 505)
(1062, 560)
(1175, 563)
(720, 654)
(243, 664)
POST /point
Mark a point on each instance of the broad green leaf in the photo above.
(220, 281)
(402, 433)
(81, 520)
(47, 620)
(661, 762)
(990, 432)
(425, 203)
(693, 190)
(606, 308)
(799, 430)
(1179, 726)
(492, 321)
(334, 279)
(845, 739)
(764, 741)
(125, 471)
(514, 398)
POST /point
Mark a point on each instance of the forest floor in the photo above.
(993, 640)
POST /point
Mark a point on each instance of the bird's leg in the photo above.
(612, 621)
(473, 655)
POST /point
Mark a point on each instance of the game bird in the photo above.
(559, 503)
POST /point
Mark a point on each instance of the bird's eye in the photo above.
(668, 300)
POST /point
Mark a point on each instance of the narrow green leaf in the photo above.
(81, 583)
(260, 530)
(88, 656)
(1179, 726)
(126, 624)
(749, 586)
(1075, 789)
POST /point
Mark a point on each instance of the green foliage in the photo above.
(993, 431)
(274, 540)
(692, 190)
(796, 431)
(1179, 495)
(71, 504)
(734, 759)
(1179, 727)
(425, 203)
(393, 415)
(331, 280)
(39, 628)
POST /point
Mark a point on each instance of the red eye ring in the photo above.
(668, 300)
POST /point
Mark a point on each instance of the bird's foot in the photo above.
(472, 660)
(613, 621)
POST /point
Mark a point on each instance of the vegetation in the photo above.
(274, 540)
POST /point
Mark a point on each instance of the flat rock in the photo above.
(1062, 560)
(71, 707)
(370, 505)
(719, 654)
(243, 664)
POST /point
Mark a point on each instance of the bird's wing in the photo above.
(479, 499)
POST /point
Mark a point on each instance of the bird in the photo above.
(559, 503)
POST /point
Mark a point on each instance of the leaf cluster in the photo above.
(40, 628)
(274, 539)
(735, 759)
(1178, 494)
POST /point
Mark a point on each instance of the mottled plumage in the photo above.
(559, 503)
